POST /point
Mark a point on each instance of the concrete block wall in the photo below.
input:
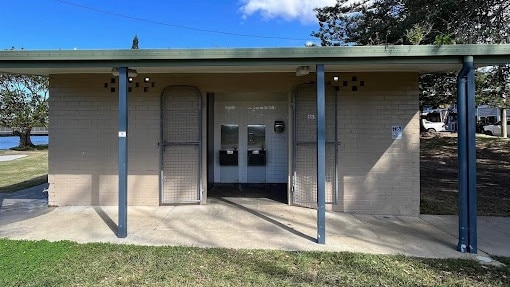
(83, 149)
(379, 174)
(83, 131)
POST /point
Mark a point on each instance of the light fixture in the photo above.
(146, 79)
(335, 78)
(131, 73)
(302, 71)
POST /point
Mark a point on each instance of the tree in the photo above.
(493, 88)
(23, 104)
(376, 22)
(134, 44)
(416, 22)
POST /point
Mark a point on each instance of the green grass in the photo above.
(439, 175)
(25, 172)
(42, 263)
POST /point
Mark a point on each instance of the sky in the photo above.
(159, 24)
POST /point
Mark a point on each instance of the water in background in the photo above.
(8, 142)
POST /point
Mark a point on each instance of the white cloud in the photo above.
(301, 10)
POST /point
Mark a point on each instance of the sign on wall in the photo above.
(396, 132)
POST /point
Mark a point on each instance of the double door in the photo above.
(243, 150)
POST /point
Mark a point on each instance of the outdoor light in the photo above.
(302, 71)
(335, 79)
(147, 79)
(131, 73)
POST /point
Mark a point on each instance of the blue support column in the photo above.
(471, 149)
(466, 114)
(321, 156)
(462, 159)
(123, 151)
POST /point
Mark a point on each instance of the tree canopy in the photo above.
(416, 22)
(376, 22)
(134, 43)
(23, 104)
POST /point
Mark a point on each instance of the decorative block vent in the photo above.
(132, 85)
(354, 83)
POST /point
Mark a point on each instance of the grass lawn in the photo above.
(439, 174)
(43, 263)
(24, 172)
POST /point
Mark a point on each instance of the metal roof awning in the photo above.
(421, 59)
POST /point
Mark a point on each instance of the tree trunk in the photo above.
(24, 138)
(504, 127)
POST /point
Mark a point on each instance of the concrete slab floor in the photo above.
(252, 223)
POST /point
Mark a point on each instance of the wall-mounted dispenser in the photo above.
(256, 145)
(229, 143)
(279, 127)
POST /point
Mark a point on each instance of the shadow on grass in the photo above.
(35, 147)
(439, 175)
(24, 184)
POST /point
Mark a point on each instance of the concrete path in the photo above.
(253, 223)
(11, 157)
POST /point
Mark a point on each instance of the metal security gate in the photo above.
(181, 129)
(304, 181)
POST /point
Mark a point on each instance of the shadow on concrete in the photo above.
(268, 219)
(38, 192)
(106, 219)
(24, 204)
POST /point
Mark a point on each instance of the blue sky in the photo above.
(79, 24)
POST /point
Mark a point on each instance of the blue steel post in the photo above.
(466, 114)
(321, 156)
(462, 159)
(471, 150)
(123, 155)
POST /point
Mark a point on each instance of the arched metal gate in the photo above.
(181, 130)
(304, 182)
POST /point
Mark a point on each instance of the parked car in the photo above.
(495, 129)
(433, 126)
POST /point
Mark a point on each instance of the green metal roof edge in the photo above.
(350, 52)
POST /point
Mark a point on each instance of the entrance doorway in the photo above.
(248, 155)
(272, 191)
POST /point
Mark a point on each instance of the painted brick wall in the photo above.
(83, 150)
(83, 131)
(378, 174)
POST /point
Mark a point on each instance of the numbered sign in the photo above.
(396, 132)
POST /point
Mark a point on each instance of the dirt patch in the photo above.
(439, 174)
